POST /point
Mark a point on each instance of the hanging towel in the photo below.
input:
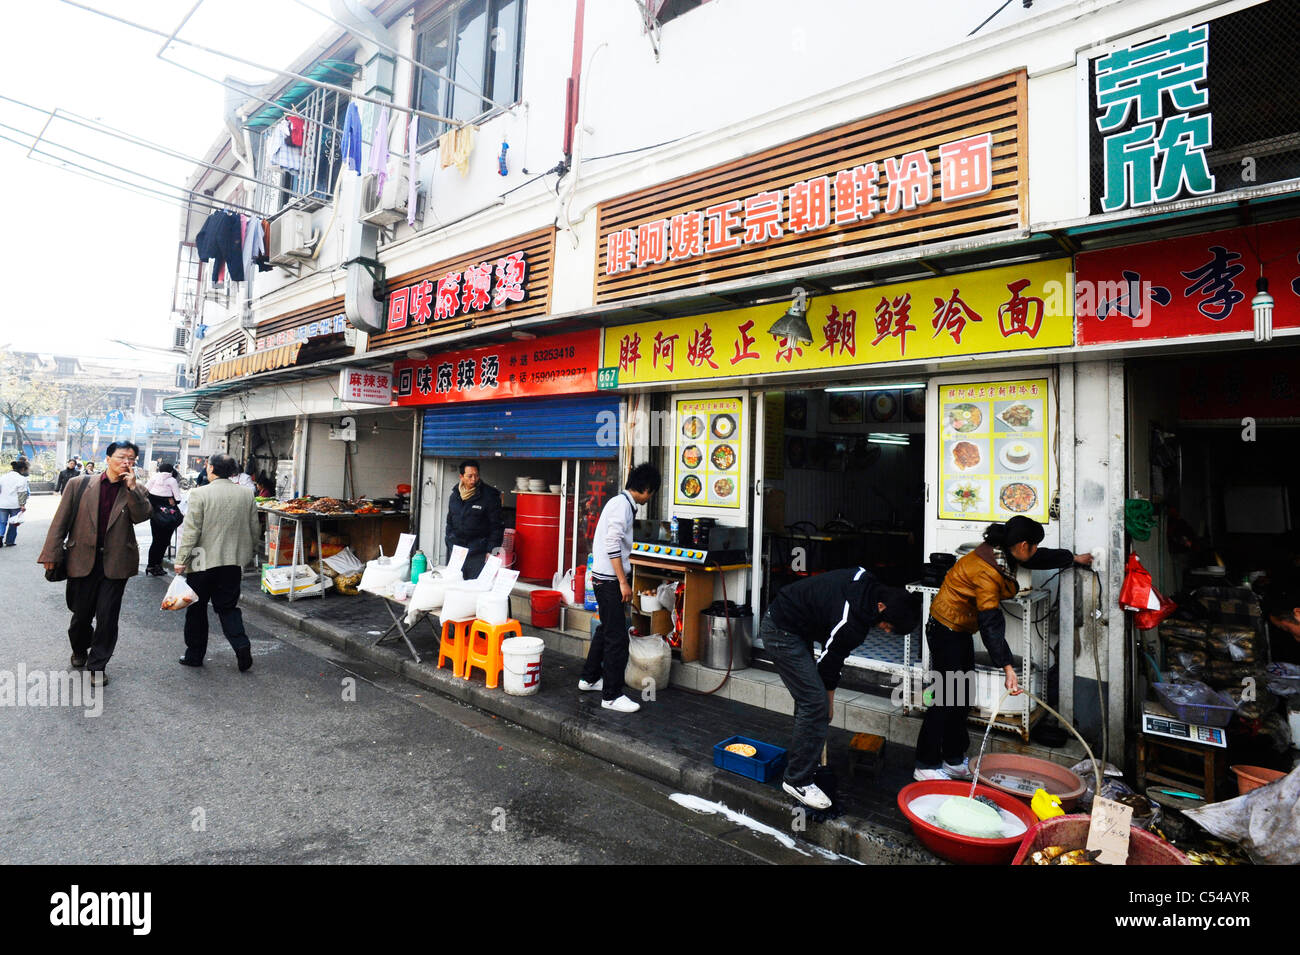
(454, 147)
(379, 149)
(352, 138)
(253, 247)
(296, 126)
(281, 151)
(413, 168)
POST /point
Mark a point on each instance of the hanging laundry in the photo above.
(454, 147)
(379, 150)
(264, 260)
(352, 138)
(296, 127)
(219, 241)
(280, 150)
(253, 246)
(413, 168)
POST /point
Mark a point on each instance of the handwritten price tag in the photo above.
(1109, 831)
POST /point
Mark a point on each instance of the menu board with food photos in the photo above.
(993, 451)
(710, 439)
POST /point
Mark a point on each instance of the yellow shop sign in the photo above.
(1013, 308)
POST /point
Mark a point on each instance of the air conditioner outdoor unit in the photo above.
(385, 207)
(180, 339)
(291, 237)
(182, 377)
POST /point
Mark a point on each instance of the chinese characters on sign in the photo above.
(474, 289)
(564, 364)
(1178, 288)
(993, 461)
(1011, 308)
(1152, 109)
(326, 326)
(710, 465)
(861, 193)
(366, 386)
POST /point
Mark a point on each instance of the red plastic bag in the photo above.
(1150, 619)
(1136, 592)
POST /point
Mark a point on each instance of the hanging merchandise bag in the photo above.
(1137, 592)
(179, 595)
(1150, 619)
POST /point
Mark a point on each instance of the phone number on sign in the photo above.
(542, 377)
(551, 354)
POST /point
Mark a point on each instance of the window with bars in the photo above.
(323, 112)
(477, 43)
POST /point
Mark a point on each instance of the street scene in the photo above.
(656, 432)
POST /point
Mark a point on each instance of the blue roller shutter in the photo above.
(584, 427)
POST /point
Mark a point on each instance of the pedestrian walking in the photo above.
(67, 474)
(14, 491)
(836, 609)
(90, 467)
(610, 569)
(165, 497)
(95, 523)
(220, 537)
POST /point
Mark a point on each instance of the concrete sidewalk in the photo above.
(670, 740)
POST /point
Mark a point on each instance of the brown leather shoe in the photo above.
(98, 678)
(78, 661)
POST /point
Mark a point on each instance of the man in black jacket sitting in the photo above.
(835, 609)
(474, 518)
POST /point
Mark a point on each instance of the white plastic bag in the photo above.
(379, 578)
(493, 608)
(345, 563)
(18, 518)
(460, 604)
(648, 659)
(179, 594)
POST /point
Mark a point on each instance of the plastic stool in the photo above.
(454, 644)
(483, 649)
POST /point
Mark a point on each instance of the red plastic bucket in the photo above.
(546, 607)
(579, 584)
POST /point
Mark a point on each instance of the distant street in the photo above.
(277, 766)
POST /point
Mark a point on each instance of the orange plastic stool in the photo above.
(454, 644)
(484, 648)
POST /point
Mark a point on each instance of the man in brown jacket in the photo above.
(102, 553)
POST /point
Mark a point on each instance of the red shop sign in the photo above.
(1197, 285)
(561, 365)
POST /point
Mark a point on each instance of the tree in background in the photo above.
(25, 391)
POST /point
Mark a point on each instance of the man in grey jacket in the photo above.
(220, 538)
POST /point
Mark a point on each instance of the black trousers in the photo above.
(162, 532)
(944, 737)
(607, 658)
(220, 585)
(98, 598)
(792, 656)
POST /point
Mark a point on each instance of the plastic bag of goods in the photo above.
(348, 584)
(649, 661)
(381, 573)
(460, 604)
(345, 563)
(493, 608)
(179, 594)
(431, 590)
(589, 587)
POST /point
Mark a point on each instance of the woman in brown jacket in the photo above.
(101, 553)
(969, 600)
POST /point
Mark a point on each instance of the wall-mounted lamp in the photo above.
(793, 325)
(1262, 306)
(417, 354)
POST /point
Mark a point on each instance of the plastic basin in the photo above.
(953, 846)
(1252, 777)
(1072, 832)
(1057, 780)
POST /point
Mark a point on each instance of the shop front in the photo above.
(529, 413)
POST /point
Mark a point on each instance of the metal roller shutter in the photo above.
(585, 427)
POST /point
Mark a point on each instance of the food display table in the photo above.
(372, 524)
(697, 594)
(390, 603)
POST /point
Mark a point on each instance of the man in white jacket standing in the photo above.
(611, 567)
(13, 500)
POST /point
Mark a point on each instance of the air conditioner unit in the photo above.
(291, 237)
(182, 377)
(384, 207)
(180, 339)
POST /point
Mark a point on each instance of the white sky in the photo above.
(81, 262)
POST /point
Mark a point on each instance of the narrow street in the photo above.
(308, 757)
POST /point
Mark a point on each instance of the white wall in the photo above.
(380, 462)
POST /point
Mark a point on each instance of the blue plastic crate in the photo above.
(764, 766)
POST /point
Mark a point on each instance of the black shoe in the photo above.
(245, 658)
(155, 572)
(78, 661)
(186, 662)
(98, 678)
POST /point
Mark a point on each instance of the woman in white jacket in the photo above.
(13, 500)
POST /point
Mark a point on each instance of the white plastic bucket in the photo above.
(522, 657)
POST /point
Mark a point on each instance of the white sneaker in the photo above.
(622, 705)
(810, 795)
(929, 775)
(961, 772)
(586, 687)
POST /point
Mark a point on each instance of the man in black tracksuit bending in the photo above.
(835, 609)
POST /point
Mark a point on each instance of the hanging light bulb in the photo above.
(1262, 306)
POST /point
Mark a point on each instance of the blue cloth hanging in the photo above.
(352, 138)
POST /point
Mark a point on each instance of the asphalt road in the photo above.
(307, 758)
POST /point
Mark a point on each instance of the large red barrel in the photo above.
(537, 535)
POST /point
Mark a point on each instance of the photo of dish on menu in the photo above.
(710, 440)
(993, 451)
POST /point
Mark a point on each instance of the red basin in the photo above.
(952, 846)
